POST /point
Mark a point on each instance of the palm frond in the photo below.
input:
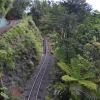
(64, 67)
(68, 78)
(90, 85)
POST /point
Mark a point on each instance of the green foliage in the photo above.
(20, 50)
(64, 67)
(19, 6)
(11, 97)
(88, 84)
(2, 3)
(74, 30)
(18, 43)
(3, 88)
(68, 78)
(60, 54)
(77, 78)
(2, 93)
(5, 6)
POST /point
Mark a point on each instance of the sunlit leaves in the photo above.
(3, 88)
(88, 84)
(5, 5)
(68, 78)
(3, 53)
(64, 67)
(79, 76)
(4, 95)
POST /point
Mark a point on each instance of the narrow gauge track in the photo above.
(36, 88)
(41, 76)
(37, 94)
(7, 27)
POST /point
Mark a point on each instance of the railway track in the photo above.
(7, 27)
(40, 81)
(36, 86)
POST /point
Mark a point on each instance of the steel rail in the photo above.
(45, 60)
(41, 81)
(36, 78)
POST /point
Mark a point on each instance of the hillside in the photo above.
(20, 49)
(73, 29)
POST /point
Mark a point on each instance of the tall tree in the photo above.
(5, 6)
(18, 9)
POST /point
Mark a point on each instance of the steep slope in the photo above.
(20, 49)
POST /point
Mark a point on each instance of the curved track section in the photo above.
(7, 27)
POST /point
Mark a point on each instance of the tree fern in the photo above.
(89, 75)
(90, 85)
(85, 64)
(75, 96)
(64, 67)
(77, 88)
(76, 68)
(90, 97)
(68, 78)
(77, 74)
(88, 94)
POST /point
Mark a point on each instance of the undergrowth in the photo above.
(20, 50)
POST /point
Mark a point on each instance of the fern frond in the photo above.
(76, 68)
(3, 53)
(64, 67)
(89, 75)
(74, 62)
(90, 85)
(68, 78)
(95, 80)
(77, 88)
(75, 96)
(84, 63)
(90, 96)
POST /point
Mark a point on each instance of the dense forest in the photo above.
(74, 31)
